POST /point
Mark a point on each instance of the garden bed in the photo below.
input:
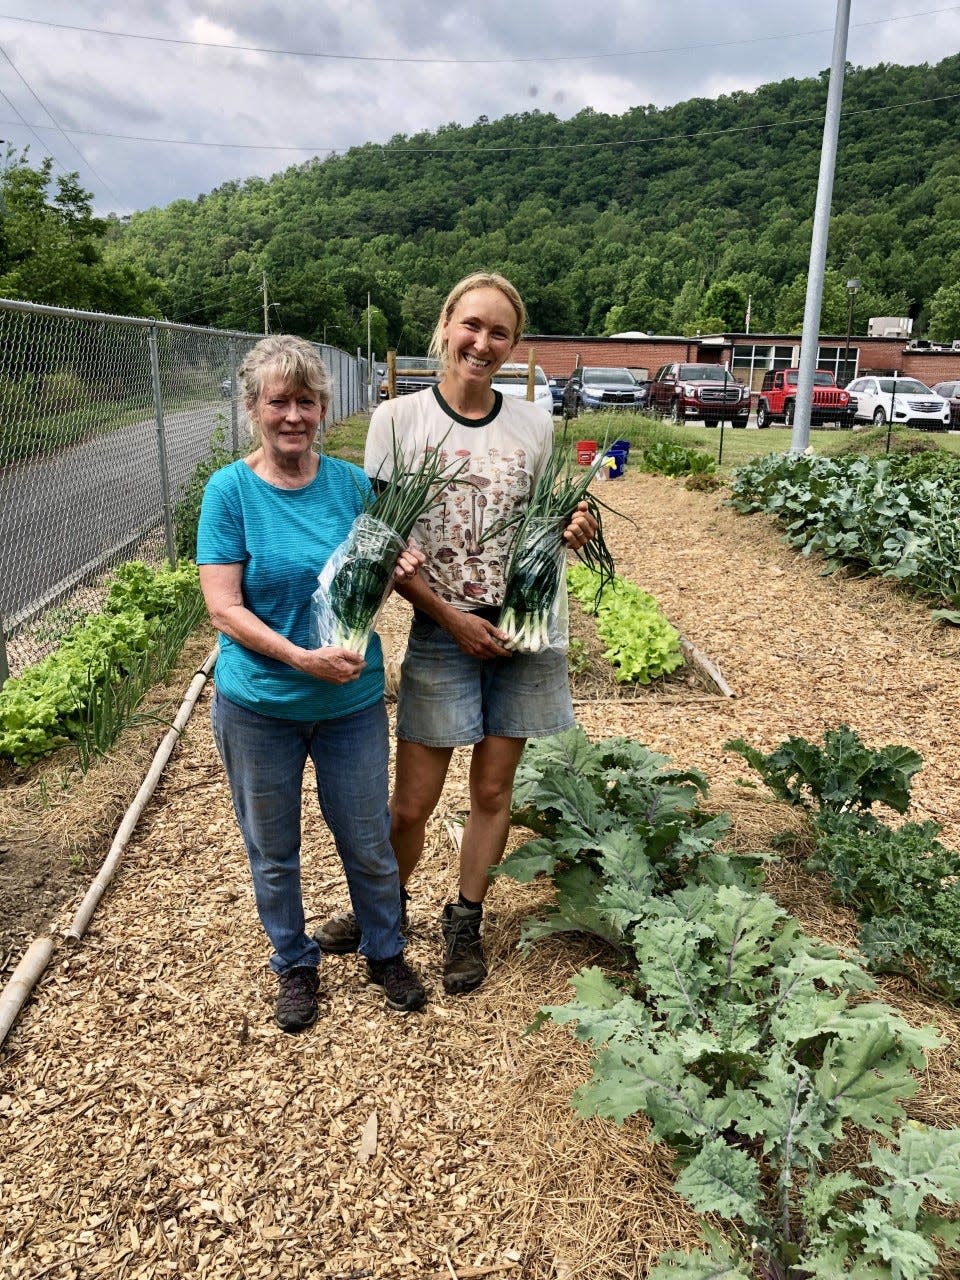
(158, 1123)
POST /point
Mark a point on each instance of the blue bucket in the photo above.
(620, 457)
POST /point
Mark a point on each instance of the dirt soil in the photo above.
(157, 1123)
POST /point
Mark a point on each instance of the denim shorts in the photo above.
(449, 699)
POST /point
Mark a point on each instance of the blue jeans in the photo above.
(264, 759)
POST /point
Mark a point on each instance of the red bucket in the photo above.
(586, 452)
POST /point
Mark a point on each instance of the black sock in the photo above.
(467, 904)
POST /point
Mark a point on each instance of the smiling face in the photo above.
(288, 418)
(479, 335)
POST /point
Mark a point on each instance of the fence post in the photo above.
(162, 449)
(4, 667)
(234, 425)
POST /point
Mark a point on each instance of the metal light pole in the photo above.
(853, 288)
(810, 336)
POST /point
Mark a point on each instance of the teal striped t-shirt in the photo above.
(283, 538)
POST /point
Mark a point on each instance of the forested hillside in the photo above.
(655, 220)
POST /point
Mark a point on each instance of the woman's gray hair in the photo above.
(478, 280)
(293, 360)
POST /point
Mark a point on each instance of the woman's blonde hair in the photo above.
(478, 280)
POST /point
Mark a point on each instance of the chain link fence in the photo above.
(103, 421)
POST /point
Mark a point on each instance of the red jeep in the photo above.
(777, 399)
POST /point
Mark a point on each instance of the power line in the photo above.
(525, 146)
(562, 57)
(58, 126)
(20, 120)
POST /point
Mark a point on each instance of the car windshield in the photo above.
(700, 373)
(609, 377)
(820, 378)
(904, 387)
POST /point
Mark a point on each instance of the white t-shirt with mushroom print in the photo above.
(505, 454)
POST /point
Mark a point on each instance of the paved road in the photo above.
(62, 515)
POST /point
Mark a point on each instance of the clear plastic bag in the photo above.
(535, 613)
(353, 585)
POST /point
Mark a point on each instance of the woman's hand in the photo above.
(581, 527)
(476, 636)
(409, 563)
(332, 664)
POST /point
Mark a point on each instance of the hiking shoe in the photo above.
(401, 986)
(340, 935)
(464, 967)
(296, 1007)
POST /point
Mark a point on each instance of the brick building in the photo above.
(749, 355)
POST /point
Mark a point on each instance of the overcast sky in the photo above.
(152, 102)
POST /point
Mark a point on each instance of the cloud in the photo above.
(194, 115)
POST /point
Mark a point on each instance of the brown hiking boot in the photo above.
(464, 967)
(340, 935)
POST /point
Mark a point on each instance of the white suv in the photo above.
(906, 402)
(511, 380)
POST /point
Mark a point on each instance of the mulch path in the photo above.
(157, 1123)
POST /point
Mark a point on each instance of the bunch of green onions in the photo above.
(360, 584)
(535, 574)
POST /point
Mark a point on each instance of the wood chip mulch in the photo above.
(156, 1123)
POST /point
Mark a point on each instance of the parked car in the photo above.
(951, 392)
(707, 391)
(413, 373)
(906, 402)
(777, 399)
(592, 389)
(511, 380)
(556, 393)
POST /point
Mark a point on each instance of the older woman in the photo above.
(268, 523)
(460, 685)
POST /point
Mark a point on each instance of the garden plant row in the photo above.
(754, 1050)
(89, 689)
(896, 516)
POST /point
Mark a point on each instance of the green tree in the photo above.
(727, 302)
(377, 330)
(944, 319)
(419, 309)
(52, 246)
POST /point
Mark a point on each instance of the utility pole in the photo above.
(369, 357)
(810, 335)
(266, 306)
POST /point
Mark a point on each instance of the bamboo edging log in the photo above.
(709, 670)
(25, 978)
(30, 969)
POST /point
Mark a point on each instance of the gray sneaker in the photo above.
(464, 966)
(296, 1007)
(401, 986)
(340, 935)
